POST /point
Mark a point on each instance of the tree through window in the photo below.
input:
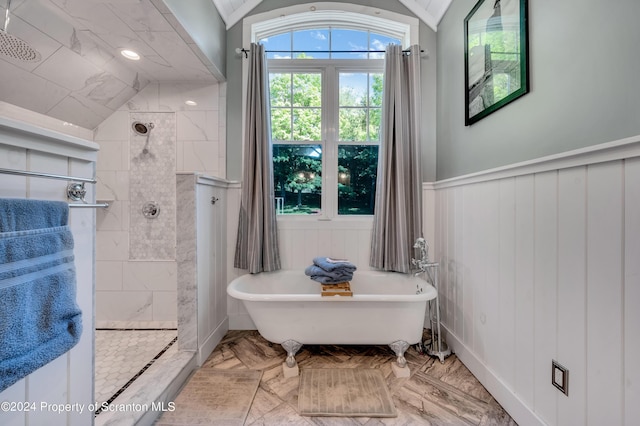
(325, 89)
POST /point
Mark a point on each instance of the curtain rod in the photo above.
(246, 51)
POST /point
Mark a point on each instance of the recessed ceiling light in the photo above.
(130, 54)
(191, 103)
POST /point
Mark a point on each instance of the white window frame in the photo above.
(322, 15)
(329, 69)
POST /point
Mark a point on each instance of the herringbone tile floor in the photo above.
(435, 394)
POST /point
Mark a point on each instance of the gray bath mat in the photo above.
(344, 392)
(214, 397)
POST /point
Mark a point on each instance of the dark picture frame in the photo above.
(496, 56)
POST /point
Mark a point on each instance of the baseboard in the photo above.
(241, 322)
(212, 341)
(517, 409)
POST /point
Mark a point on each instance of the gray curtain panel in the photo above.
(397, 220)
(257, 243)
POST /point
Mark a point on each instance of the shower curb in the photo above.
(157, 388)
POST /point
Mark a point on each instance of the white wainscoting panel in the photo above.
(572, 307)
(632, 292)
(540, 263)
(302, 240)
(67, 379)
(506, 358)
(544, 289)
(605, 292)
(213, 320)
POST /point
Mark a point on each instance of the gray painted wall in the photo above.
(234, 87)
(585, 86)
(206, 28)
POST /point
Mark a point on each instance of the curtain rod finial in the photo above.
(242, 50)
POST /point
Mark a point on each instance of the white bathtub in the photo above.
(286, 306)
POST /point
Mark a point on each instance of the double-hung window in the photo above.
(325, 88)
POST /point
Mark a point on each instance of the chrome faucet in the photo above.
(436, 347)
(423, 263)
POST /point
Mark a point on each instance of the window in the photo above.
(326, 98)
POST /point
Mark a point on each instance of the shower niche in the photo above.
(152, 155)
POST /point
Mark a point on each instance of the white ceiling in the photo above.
(82, 78)
(429, 11)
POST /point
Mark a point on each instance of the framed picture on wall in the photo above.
(495, 56)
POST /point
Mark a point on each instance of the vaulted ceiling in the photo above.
(429, 11)
(81, 77)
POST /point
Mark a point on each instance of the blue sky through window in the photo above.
(315, 42)
(323, 39)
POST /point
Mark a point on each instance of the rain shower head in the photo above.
(15, 47)
(142, 129)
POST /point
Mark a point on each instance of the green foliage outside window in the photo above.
(296, 118)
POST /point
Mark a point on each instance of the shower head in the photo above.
(142, 129)
(15, 47)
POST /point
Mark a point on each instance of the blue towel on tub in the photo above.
(329, 264)
(39, 317)
(318, 274)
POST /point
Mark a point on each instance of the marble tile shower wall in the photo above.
(152, 187)
(140, 290)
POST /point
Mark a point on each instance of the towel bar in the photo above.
(46, 175)
(93, 206)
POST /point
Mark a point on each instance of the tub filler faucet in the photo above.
(423, 263)
(437, 347)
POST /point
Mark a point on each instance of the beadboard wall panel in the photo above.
(506, 361)
(301, 241)
(67, 379)
(545, 285)
(605, 292)
(540, 264)
(572, 264)
(632, 292)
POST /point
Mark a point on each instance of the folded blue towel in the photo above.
(39, 317)
(328, 280)
(330, 265)
(318, 274)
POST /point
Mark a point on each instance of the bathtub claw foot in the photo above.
(399, 347)
(291, 346)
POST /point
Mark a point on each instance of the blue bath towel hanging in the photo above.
(39, 317)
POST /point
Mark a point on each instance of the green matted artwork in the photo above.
(495, 56)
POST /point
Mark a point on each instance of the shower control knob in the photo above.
(150, 210)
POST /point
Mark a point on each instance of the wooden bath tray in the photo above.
(340, 289)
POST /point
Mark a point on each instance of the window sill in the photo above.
(301, 222)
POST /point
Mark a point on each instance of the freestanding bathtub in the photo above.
(288, 309)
